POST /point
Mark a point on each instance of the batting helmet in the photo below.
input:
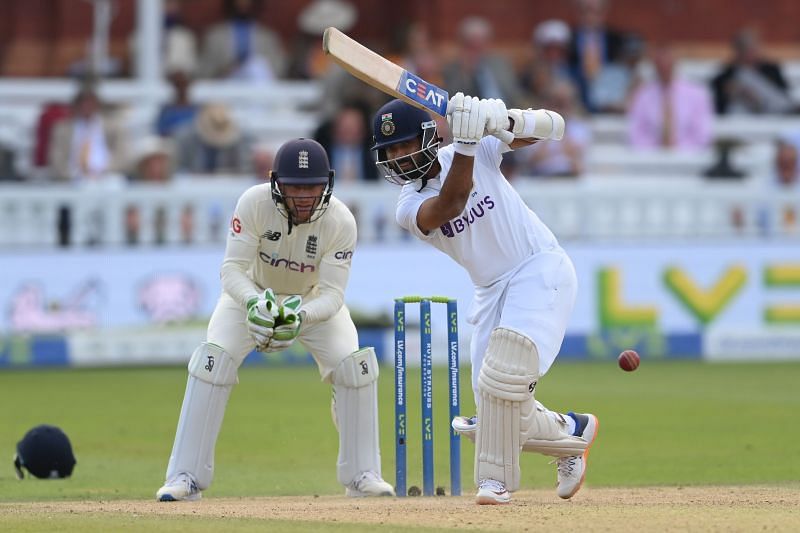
(398, 122)
(45, 451)
(301, 162)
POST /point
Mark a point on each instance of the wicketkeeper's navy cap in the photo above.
(45, 452)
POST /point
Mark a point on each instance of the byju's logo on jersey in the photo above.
(271, 235)
(423, 92)
(457, 225)
(302, 159)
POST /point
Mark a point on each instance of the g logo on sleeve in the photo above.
(236, 225)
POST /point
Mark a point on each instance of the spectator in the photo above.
(180, 111)
(263, 154)
(550, 64)
(593, 45)
(418, 54)
(307, 60)
(213, 144)
(617, 81)
(566, 157)
(241, 48)
(750, 83)
(180, 44)
(347, 140)
(86, 145)
(478, 72)
(152, 161)
(670, 112)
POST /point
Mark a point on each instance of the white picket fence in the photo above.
(197, 209)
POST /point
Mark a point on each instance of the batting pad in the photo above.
(505, 384)
(212, 374)
(355, 408)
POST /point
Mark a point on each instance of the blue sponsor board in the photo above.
(423, 92)
(36, 350)
(607, 345)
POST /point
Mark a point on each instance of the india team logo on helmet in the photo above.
(387, 126)
(398, 122)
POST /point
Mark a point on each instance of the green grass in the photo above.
(668, 423)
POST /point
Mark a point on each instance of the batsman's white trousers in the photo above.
(535, 299)
(329, 342)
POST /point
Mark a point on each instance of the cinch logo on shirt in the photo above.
(345, 254)
(457, 225)
(294, 266)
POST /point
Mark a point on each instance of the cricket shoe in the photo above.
(465, 426)
(368, 484)
(492, 492)
(572, 469)
(182, 487)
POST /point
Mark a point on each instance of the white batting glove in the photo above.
(261, 314)
(497, 121)
(466, 116)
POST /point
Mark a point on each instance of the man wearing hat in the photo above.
(284, 274)
(213, 144)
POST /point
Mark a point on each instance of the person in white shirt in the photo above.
(284, 274)
(456, 199)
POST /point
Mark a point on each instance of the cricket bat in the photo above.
(379, 72)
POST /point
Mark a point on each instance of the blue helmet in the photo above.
(398, 122)
(45, 451)
(301, 162)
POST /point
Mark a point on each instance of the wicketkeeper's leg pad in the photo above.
(355, 409)
(212, 374)
(505, 384)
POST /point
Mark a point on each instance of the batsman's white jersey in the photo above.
(312, 261)
(523, 279)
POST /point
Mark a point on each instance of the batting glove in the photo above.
(497, 121)
(467, 116)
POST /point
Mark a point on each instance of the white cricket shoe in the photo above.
(182, 487)
(492, 492)
(368, 484)
(465, 426)
(572, 469)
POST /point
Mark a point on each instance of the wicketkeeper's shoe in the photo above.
(465, 426)
(572, 469)
(492, 492)
(181, 487)
(368, 484)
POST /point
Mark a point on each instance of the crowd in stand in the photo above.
(579, 67)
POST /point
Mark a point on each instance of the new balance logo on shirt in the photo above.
(271, 235)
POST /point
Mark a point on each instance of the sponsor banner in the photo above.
(773, 344)
(132, 305)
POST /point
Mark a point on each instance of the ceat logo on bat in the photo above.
(423, 92)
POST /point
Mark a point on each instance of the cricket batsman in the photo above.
(286, 266)
(456, 199)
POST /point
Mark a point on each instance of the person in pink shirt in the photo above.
(669, 112)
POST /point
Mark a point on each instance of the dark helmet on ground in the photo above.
(301, 162)
(45, 451)
(397, 122)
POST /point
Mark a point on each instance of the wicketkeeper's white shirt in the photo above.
(312, 261)
(495, 233)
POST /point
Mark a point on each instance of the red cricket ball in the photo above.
(628, 360)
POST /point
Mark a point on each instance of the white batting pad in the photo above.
(505, 384)
(355, 407)
(212, 374)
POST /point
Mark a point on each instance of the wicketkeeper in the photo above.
(286, 266)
